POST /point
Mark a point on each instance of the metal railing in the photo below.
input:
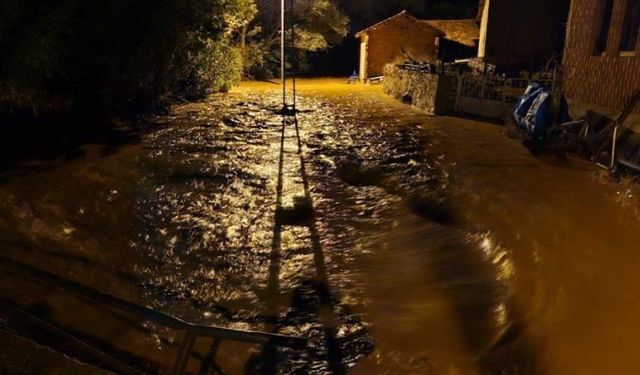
(79, 348)
(191, 331)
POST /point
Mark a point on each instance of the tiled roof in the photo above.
(404, 13)
(465, 32)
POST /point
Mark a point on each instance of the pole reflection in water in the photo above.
(408, 243)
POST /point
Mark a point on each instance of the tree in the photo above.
(116, 56)
(238, 17)
(319, 25)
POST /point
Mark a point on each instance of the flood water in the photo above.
(426, 245)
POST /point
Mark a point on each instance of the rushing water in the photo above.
(432, 245)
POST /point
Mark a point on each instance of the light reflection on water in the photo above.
(440, 245)
(379, 184)
(445, 247)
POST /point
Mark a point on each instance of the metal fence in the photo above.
(492, 96)
(190, 332)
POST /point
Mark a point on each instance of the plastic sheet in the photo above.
(532, 112)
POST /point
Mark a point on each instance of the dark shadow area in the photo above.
(327, 351)
(312, 302)
(470, 282)
(426, 204)
(73, 261)
(270, 352)
(32, 146)
(269, 81)
(490, 120)
(37, 323)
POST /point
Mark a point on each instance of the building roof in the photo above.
(404, 13)
(465, 32)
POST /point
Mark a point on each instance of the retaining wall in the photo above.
(432, 92)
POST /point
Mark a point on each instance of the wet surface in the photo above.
(395, 241)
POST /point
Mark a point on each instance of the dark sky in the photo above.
(365, 12)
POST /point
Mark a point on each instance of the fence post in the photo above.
(183, 355)
(458, 92)
(482, 81)
(503, 94)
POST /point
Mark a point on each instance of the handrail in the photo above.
(111, 362)
(149, 314)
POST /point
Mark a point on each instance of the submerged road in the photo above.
(398, 242)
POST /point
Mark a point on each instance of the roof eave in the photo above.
(364, 31)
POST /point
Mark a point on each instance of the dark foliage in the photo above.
(106, 57)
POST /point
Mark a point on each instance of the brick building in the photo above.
(602, 56)
(424, 40)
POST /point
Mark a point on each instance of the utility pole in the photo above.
(282, 55)
(295, 54)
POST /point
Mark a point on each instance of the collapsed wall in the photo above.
(435, 93)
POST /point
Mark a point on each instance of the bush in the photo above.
(222, 65)
(100, 58)
(209, 66)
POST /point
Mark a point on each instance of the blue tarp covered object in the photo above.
(533, 110)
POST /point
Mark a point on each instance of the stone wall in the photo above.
(432, 92)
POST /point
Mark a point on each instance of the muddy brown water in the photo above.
(436, 245)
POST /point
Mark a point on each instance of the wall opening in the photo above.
(630, 26)
(603, 19)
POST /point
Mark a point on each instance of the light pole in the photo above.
(295, 55)
(282, 55)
